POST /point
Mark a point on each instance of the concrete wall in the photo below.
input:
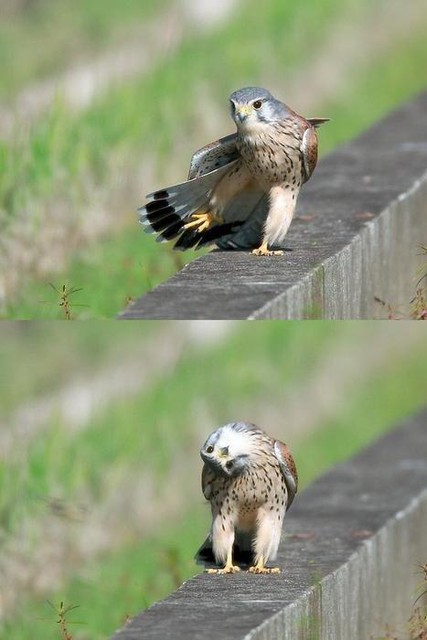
(349, 559)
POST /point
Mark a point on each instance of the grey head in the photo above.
(255, 105)
(227, 450)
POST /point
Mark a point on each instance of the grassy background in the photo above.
(77, 480)
(38, 38)
(142, 133)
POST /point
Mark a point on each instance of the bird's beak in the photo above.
(243, 112)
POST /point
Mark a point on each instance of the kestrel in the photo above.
(242, 189)
(250, 480)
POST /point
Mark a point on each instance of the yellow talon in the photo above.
(260, 568)
(257, 569)
(202, 220)
(264, 251)
(230, 568)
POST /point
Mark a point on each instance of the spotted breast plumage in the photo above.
(241, 190)
(250, 480)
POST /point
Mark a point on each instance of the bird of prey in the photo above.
(242, 189)
(250, 480)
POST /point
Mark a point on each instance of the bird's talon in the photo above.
(203, 220)
(264, 251)
(227, 569)
(263, 570)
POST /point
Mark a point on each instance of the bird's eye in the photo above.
(257, 104)
(209, 449)
(229, 464)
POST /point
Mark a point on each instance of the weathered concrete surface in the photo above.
(364, 217)
(354, 538)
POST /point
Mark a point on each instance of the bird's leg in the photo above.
(266, 540)
(229, 566)
(263, 250)
(259, 567)
(232, 183)
(281, 210)
(202, 220)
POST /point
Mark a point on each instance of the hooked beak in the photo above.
(243, 112)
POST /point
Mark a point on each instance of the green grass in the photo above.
(250, 370)
(64, 354)
(42, 38)
(120, 586)
(377, 404)
(130, 263)
(385, 84)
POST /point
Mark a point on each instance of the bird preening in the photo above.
(242, 189)
(250, 480)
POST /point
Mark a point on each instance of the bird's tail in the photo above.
(316, 122)
(170, 209)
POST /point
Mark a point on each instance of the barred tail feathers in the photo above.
(169, 209)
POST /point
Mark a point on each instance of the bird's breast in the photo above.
(271, 160)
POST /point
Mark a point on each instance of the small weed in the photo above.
(423, 585)
(418, 304)
(64, 299)
(417, 623)
(62, 611)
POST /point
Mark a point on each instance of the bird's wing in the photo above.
(168, 210)
(213, 156)
(309, 146)
(207, 477)
(288, 469)
(309, 151)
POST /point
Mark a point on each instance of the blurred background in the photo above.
(101, 103)
(100, 431)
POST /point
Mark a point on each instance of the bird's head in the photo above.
(227, 451)
(252, 107)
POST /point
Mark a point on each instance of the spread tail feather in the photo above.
(169, 209)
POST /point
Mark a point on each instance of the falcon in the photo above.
(250, 480)
(242, 189)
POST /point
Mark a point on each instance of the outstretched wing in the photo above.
(288, 469)
(213, 156)
(168, 210)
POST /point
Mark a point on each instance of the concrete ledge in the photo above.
(353, 540)
(364, 218)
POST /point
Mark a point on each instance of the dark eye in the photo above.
(209, 449)
(229, 464)
(257, 104)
